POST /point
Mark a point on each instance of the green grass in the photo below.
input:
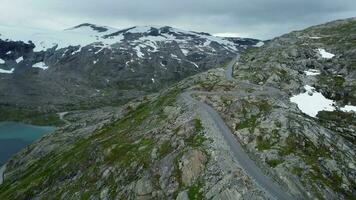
(197, 139)
(198, 125)
(263, 144)
(208, 85)
(29, 116)
(126, 152)
(274, 163)
(336, 120)
(334, 88)
(297, 171)
(251, 122)
(334, 82)
(195, 192)
(339, 117)
(310, 154)
(165, 149)
(177, 174)
(248, 123)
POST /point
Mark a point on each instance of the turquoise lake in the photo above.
(15, 136)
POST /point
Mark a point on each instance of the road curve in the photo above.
(236, 149)
(228, 70)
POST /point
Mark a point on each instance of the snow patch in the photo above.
(128, 62)
(153, 80)
(311, 102)
(349, 108)
(176, 57)
(95, 61)
(99, 51)
(150, 41)
(77, 51)
(177, 37)
(47, 39)
(185, 51)
(19, 59)
(2, 61)
(207, 43)
(194, 64)
(4, 71)
(312, 72)
(139, 52)
(222, 41)
(8, 53)
(140, 29)
(64, 53)
(259, 44)
(314, 37)
(40, 65)
(325, 54)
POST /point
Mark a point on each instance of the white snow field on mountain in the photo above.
(104, 36)
(311, 102)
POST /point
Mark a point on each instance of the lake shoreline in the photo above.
(16, 136)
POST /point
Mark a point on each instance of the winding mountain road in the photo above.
(237, 151)
(228, 70)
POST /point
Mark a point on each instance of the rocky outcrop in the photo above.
(144, 188)
(229, 194)
(191, 165)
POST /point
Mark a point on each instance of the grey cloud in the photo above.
(254, 18)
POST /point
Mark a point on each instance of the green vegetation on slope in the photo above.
(115, 145)
(29, 116)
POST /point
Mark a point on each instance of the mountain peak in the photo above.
(97, 28)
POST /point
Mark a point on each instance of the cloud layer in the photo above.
(248, 18)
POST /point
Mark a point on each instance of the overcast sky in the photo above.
(261, 19)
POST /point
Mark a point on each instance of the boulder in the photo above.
(191, 165)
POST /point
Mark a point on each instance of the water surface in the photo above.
(15, 136)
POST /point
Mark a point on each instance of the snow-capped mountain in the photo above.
(98, 61)
(88, 34)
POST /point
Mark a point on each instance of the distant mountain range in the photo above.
(88, 64)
